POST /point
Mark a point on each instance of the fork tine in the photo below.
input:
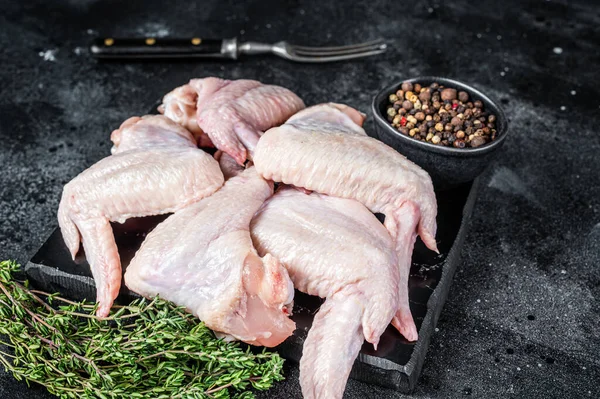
(318, 59)
(338, 48)
(329, 53)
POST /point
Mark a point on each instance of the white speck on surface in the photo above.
(242, 32)
(438, 36)
(506, 69)
(48, 55)
(557, 50)
(479, 301)
(302, 12)
(573, 92)
(153, 29)
(539, 364)
(518, 368)
(502, 73)
(40, 86)
(268, 26)
(78, 50)
(499, 37)
(430, 10)
(91, 32)
(563, 108)
(476, 331)
(479, 35)
(583, 368)
(508, 182)
(563, 272)
(437, 329)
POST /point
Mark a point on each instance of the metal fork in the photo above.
(296, 53)
(135, 48)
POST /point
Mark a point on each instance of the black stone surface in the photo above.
(522, 316)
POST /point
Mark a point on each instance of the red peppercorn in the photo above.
(454, 105)
(403, 121)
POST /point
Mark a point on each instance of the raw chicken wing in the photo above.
(234, 114)
(324, 149)
(155, 168)
(202, 258)
(336, 249)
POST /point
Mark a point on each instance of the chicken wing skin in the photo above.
(156, 169)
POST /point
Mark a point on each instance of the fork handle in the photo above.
(150, 47)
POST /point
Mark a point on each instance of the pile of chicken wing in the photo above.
(233, 249)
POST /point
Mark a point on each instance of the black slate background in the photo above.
(522, 317)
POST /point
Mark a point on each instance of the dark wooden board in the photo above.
(396, 363)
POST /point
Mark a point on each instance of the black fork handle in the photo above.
(150, 47)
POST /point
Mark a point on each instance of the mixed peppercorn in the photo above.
(440, 115)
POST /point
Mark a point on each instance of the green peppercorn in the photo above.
(391, 112)
(393, 98)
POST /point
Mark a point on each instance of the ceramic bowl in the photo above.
(447, 166)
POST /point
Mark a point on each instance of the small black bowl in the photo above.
(447, 166)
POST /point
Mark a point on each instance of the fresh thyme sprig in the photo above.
(146, 350)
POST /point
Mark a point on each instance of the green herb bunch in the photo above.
(148, 349)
